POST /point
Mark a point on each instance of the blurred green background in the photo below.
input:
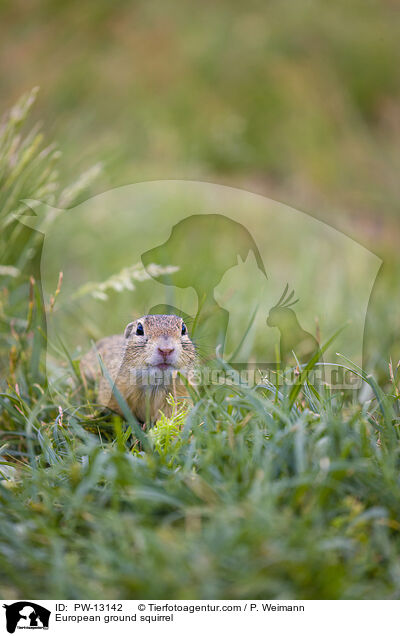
(298, 101)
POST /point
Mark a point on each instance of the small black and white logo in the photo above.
(26, 615)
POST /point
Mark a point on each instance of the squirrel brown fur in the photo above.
(142, 364)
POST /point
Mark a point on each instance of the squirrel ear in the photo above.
(128, 329)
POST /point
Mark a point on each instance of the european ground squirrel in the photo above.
(141, 364)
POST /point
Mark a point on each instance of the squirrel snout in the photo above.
(165, 352)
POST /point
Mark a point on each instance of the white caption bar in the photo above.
(177, 617)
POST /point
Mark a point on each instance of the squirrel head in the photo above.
(159, 341)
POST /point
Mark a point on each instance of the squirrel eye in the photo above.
(139, 329)
(184, 330)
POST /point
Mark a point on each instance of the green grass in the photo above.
(248, 494)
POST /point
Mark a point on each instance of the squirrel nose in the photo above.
(165, 352)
